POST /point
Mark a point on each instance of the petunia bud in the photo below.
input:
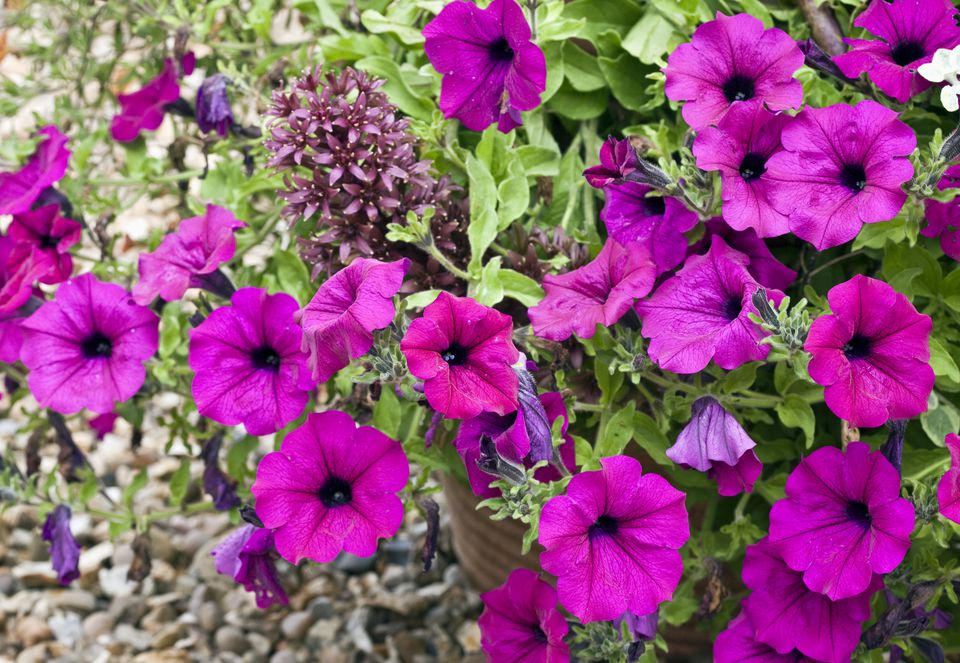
(64, 549)
(950, 150)
(249, 515)
(818, 59)
(651, 175)
(534, 416)
(892, 449)
(218, 485)
(213, 105)
(431, 512)
(491, 462)
(762, 304)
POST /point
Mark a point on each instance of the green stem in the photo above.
(589, 407)
(930, 469)
(261, 235)
(741, 506)
(711, 513)
(437, 255)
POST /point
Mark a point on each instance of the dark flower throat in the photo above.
(455, 355)
(906, 52)
(738, 88)
(500, 50)
(753, 166)
(859, 513)
(854, 177)
(858, 347)
(335, 492)
(96, 346)
(604, 526)
(266, 358)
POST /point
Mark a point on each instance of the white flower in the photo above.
(945, 68)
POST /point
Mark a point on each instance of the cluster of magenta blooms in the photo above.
(612, 539)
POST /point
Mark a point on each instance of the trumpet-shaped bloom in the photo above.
(739, 644)
(331, 487)
(612, 541)
(948, 490)
(143, 110)
(50, 235)
(871, 354)
(64, 549)
(248, 556)
(19, 190)
(763, 265)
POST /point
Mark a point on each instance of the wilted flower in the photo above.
(213, 105)
(143, 110)
(64, 549)
(50, 235)
(19, 190)
(248, 556)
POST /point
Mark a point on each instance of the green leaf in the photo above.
(741, 378)
(134, 487)
(170, 336)
(539, 161)
(649, 40)
(386, 413)
(488, 290)
(237, 456)
(797, 413)
(421, 299)
(483, 213)
(292, 275)
(553, 53)
(940, 419)
(615, 432)
(578, 105)
(513, 195)
(941, 362)
(398, 87)
(520, 287)
(650, 438)
(622, 74)
(405, 30)
(581, 68)
(179, 482)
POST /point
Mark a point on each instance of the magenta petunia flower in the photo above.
(48, 165)
(520, 621)
(871, 354)
(464, 353)
(50, 235)
(143, 110)
(20, 266)
(248, 363)
(64, 549)
(491, 70)
(612, 541)
(910, 33)
(739, 147)
(599, 293)
(943, 219)
(715, 442)
(840, 167)
(656, 222)
(248, 556)
(948, 489)
(88, 347)
(339, 321)
(617, 160)
(763, 265)
(187, 257)
(739, 644)
(842, 520)
(730, 60)
(787, 615)
(103, 424)
(331, 487)
(702, 312)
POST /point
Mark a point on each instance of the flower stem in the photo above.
(437, 255)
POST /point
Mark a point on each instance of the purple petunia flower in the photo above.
(143, 110)
(872, 354)
(739, 147)
(715, 442)
(656, 222)
(50, 235)
(248, 363)
(20, 266)
(103, 424)
(617, 160)
(599, 293)
(248, 556)
(612, 541)
(948, 489)
(331, 487)
(702, 312)
(521, 623)
(842, 520)
(88, 347)
(491, 70)
(763, 265)
(213, 105)
(339, 321)
(730, 60)
(840, 167)
(739, 644)
(787, 615)
(188, 257)
(464, 353)
(19, 190)
(943, 219)
(64, 549)
(910, 33)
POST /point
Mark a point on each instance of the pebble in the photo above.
(352, 564)
(97, 624)
(320, 608)
(230, 638)
(210, 617)
(157, 618)
(167, 636)
(133, 637)
(294, 626)
(67, 628)
(260, 643)
(74, 601)
(285, 656)
(31, 630)
(468, 635)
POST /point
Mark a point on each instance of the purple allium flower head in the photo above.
(248, 363)
(599, 293)
(739, 644)
(618, 159)
(50, 235)
(948, 489)
(103, 424)
(733, 59)
(739, 147)
(612, 541)
(788, 615)
(715, 442)
(842, 520)
(910, 33)
(331, 487)
(248, 556)
(64, 549)
(656, 222)
(702, 312)
(339, 321)
(763, 265)
(943, 219)
(521, 623)
(197, 248)
(491, 70)
(512, 440)
(143, 110)
(213, 105)
(840, 167)
(19, 190)
(871, 354)
(464, 353)
(88, 347)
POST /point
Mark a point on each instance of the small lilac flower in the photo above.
(910, 33)
(739, 644)
(50, 235)
(763, 265)
(948, 489)
(339, 321)
(331, 487)
(248, 363)
(599, 293)
(491, 70)
(612, 541)
(186, 257)
(48, 165)
(464, 353)
(213, 105)
(702, 312)
(102, 424)
(248, 556)
(842, 520)
(88, 347)
(730, 60)
(715, 442)
(841, 167)
(64, 549)
(618, 159)
(143, 110)
(871, 354)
